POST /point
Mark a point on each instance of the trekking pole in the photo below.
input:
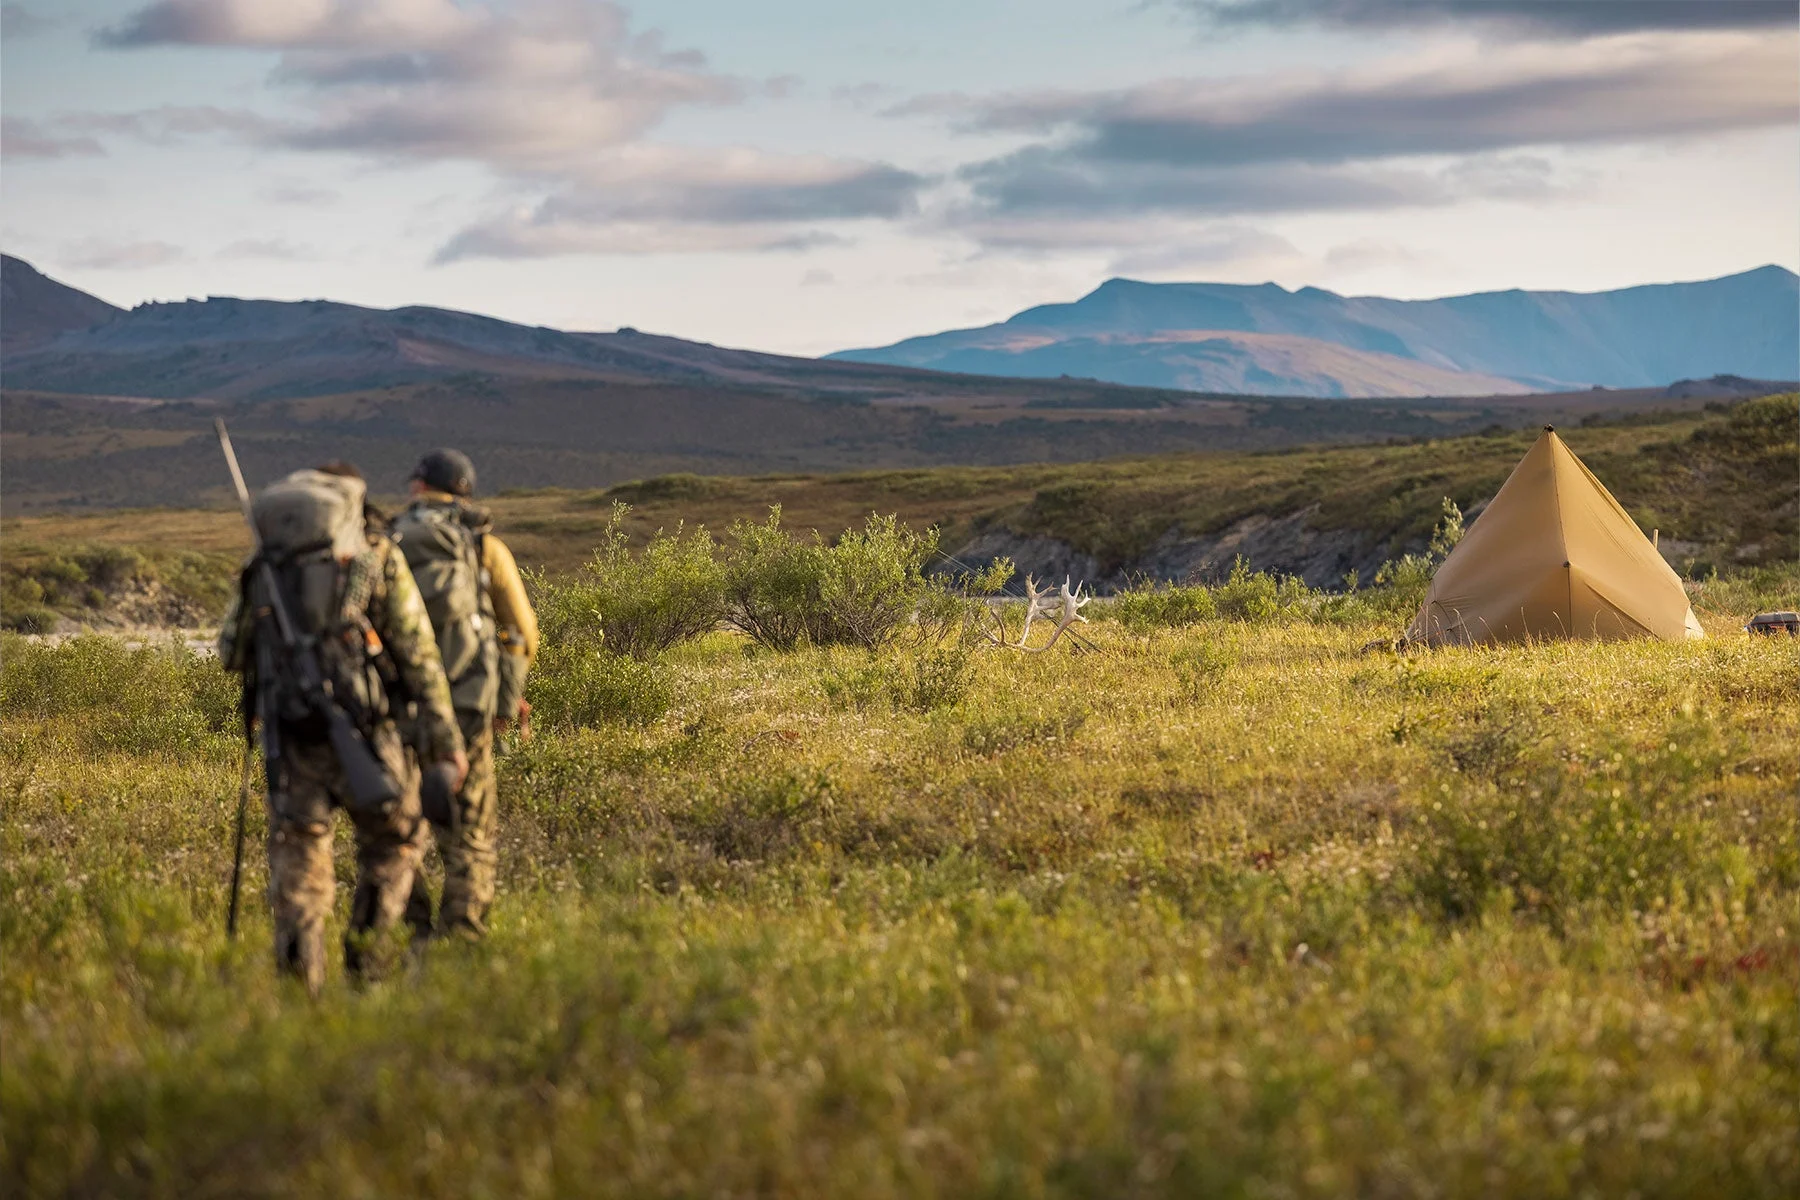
(237, 854)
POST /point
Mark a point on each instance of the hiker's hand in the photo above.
(502, 725)
(460, 762)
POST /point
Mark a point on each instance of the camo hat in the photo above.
(447, 470)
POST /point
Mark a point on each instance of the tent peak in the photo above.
(1549, 429)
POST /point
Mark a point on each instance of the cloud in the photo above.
(1366, 254)
(1460, 125)
(169, 123)
(290, 192)
(1568, 18)
(658, 199)
(861, 96)
(17, 21)
(533, 86)
(1050, 181)
(275, 248)
(1208, 250)
(817, 277)
(103, 254)
(21, 137)
(557, 97)
(1634, 91)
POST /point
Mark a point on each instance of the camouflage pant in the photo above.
(302, 885)
(468, 846)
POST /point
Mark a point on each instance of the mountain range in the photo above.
(107, 406)
(1265, 339)
(55, 338)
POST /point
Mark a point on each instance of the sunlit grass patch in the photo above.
(1229, 908)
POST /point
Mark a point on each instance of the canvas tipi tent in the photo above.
(1553, 556)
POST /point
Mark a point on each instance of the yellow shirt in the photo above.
(512, 608)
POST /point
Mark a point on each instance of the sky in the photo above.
(813, 175)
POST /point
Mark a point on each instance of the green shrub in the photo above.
(936, 678)
(872, 582)
(1741, 594)
(1247, 595)
(862, 590)
(926, 680)
(73, 579)
(994, 728)
(1404, 581)
(28, 618)
(577, 686)
(102, 695)
(1169, 606)
(639, 604)
(1200, 669)
(861, 685)
(771, 583)
(1618, 828)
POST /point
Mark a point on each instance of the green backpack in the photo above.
(442, 545)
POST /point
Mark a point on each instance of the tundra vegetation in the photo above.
(1718, 484)
(801, 897)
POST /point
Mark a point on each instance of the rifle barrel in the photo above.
(237, 475)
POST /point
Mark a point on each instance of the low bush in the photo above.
(27, 617)
(104, 696)
(1248, 596)
(771, 583)
(1617, 827)
(577, 686)
(1256, 596)
(863, 590)
(1164, 606)
(1405, 580)
(935, 678)
(1741, 594)
(923, 681)
(990, 729)
(38, 585)
(1201, 669)
(637, 604)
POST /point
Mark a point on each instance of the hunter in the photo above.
(487, 637)
(353, 603)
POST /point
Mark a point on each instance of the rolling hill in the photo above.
(107, 407)
(224, 348)
(35, 309)
(1206, 336)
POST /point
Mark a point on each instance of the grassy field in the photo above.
(1225, 910)
(1719, 482)
(1228, 908)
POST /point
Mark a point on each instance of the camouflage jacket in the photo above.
(397, 615)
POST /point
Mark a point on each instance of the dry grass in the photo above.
(1302, 923)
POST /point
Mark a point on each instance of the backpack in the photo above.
(309, 528)
(442, 545)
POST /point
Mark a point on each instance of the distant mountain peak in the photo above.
(1142, 333)
(36, 309)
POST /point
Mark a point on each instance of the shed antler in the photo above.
(1063, 605)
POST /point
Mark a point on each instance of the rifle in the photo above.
(237, 853)
(279, 645)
